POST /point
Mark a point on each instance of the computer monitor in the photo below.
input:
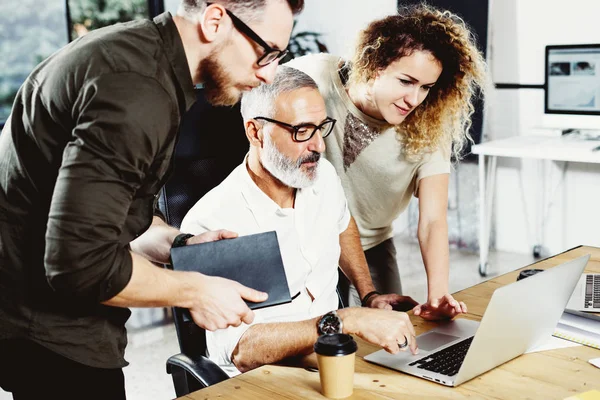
(572, 87)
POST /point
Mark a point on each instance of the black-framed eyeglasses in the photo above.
(305, 132)
(270, 53)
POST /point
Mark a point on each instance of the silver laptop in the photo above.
(586, 296)
(518, 317)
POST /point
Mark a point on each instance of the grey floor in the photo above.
(146, 378)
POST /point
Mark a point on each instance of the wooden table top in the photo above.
(554, 374)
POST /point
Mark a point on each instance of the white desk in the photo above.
(564, 148)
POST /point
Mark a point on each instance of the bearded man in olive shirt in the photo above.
(84, 152)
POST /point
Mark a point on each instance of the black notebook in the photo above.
(253, 260)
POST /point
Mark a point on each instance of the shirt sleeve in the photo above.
(436, 164)
(344, 219)
(121, 122)
(335, 185)
(221, 343)
(194, 221)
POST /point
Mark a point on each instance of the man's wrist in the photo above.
(330, 323)
(189, 284)
(181, 240)
(365, 301)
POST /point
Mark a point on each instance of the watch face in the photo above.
(330, 323)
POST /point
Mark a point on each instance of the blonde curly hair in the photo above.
(443, 120)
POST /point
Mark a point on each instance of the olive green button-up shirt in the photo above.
(85, 150)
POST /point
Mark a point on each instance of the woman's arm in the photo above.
(433, 232)
(433, 240)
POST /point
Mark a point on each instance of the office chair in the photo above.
(211, 144)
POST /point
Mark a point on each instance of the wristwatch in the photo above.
(181, 240)
(329, 324)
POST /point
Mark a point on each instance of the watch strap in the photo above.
(181, 239)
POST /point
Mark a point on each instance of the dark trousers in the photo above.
(384, 273)
(31, 371)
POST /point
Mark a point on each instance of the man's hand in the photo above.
(444, 307)
(219, 302)
(384, 328)
(392, 301)
(211, 236)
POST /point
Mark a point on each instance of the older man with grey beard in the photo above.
(285, 186)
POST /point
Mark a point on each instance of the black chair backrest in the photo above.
(211, 144)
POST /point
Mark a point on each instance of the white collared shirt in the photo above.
(308, 237)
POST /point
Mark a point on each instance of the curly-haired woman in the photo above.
(404, 106)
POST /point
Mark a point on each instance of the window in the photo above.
(87, 15)
(30, 34)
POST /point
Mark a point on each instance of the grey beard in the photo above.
(283, 168)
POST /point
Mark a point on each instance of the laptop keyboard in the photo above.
(592, 291)
(446, 361)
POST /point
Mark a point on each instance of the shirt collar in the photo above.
(176, 55)
(258, 201)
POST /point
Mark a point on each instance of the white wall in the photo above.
(340, 20)
(172, 6)
(520, 31)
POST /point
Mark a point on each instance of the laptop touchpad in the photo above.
(432, 340)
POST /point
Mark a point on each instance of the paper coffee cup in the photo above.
(335, 357)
